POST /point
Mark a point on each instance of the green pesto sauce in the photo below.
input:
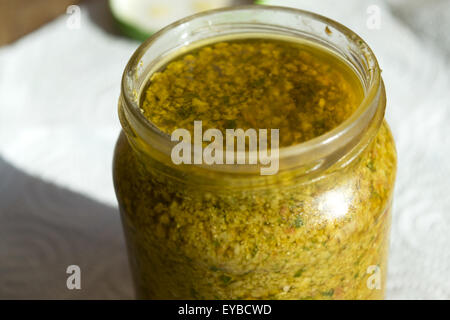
(298, 88)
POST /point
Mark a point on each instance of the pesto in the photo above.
(254, 83)
(295, 239)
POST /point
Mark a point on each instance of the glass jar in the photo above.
(319, 229)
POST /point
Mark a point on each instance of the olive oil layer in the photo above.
(261, 84)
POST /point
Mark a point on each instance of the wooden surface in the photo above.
(19, 17)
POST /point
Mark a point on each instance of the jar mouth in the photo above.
(314, 153)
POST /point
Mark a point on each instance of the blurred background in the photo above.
(60, 69)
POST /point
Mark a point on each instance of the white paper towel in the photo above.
(58, 125)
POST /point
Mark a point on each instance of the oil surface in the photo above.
(300, 88)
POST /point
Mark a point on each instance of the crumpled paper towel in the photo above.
(58, 125)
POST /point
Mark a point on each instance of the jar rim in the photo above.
(317, 148)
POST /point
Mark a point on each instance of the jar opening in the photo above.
(319, 152)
